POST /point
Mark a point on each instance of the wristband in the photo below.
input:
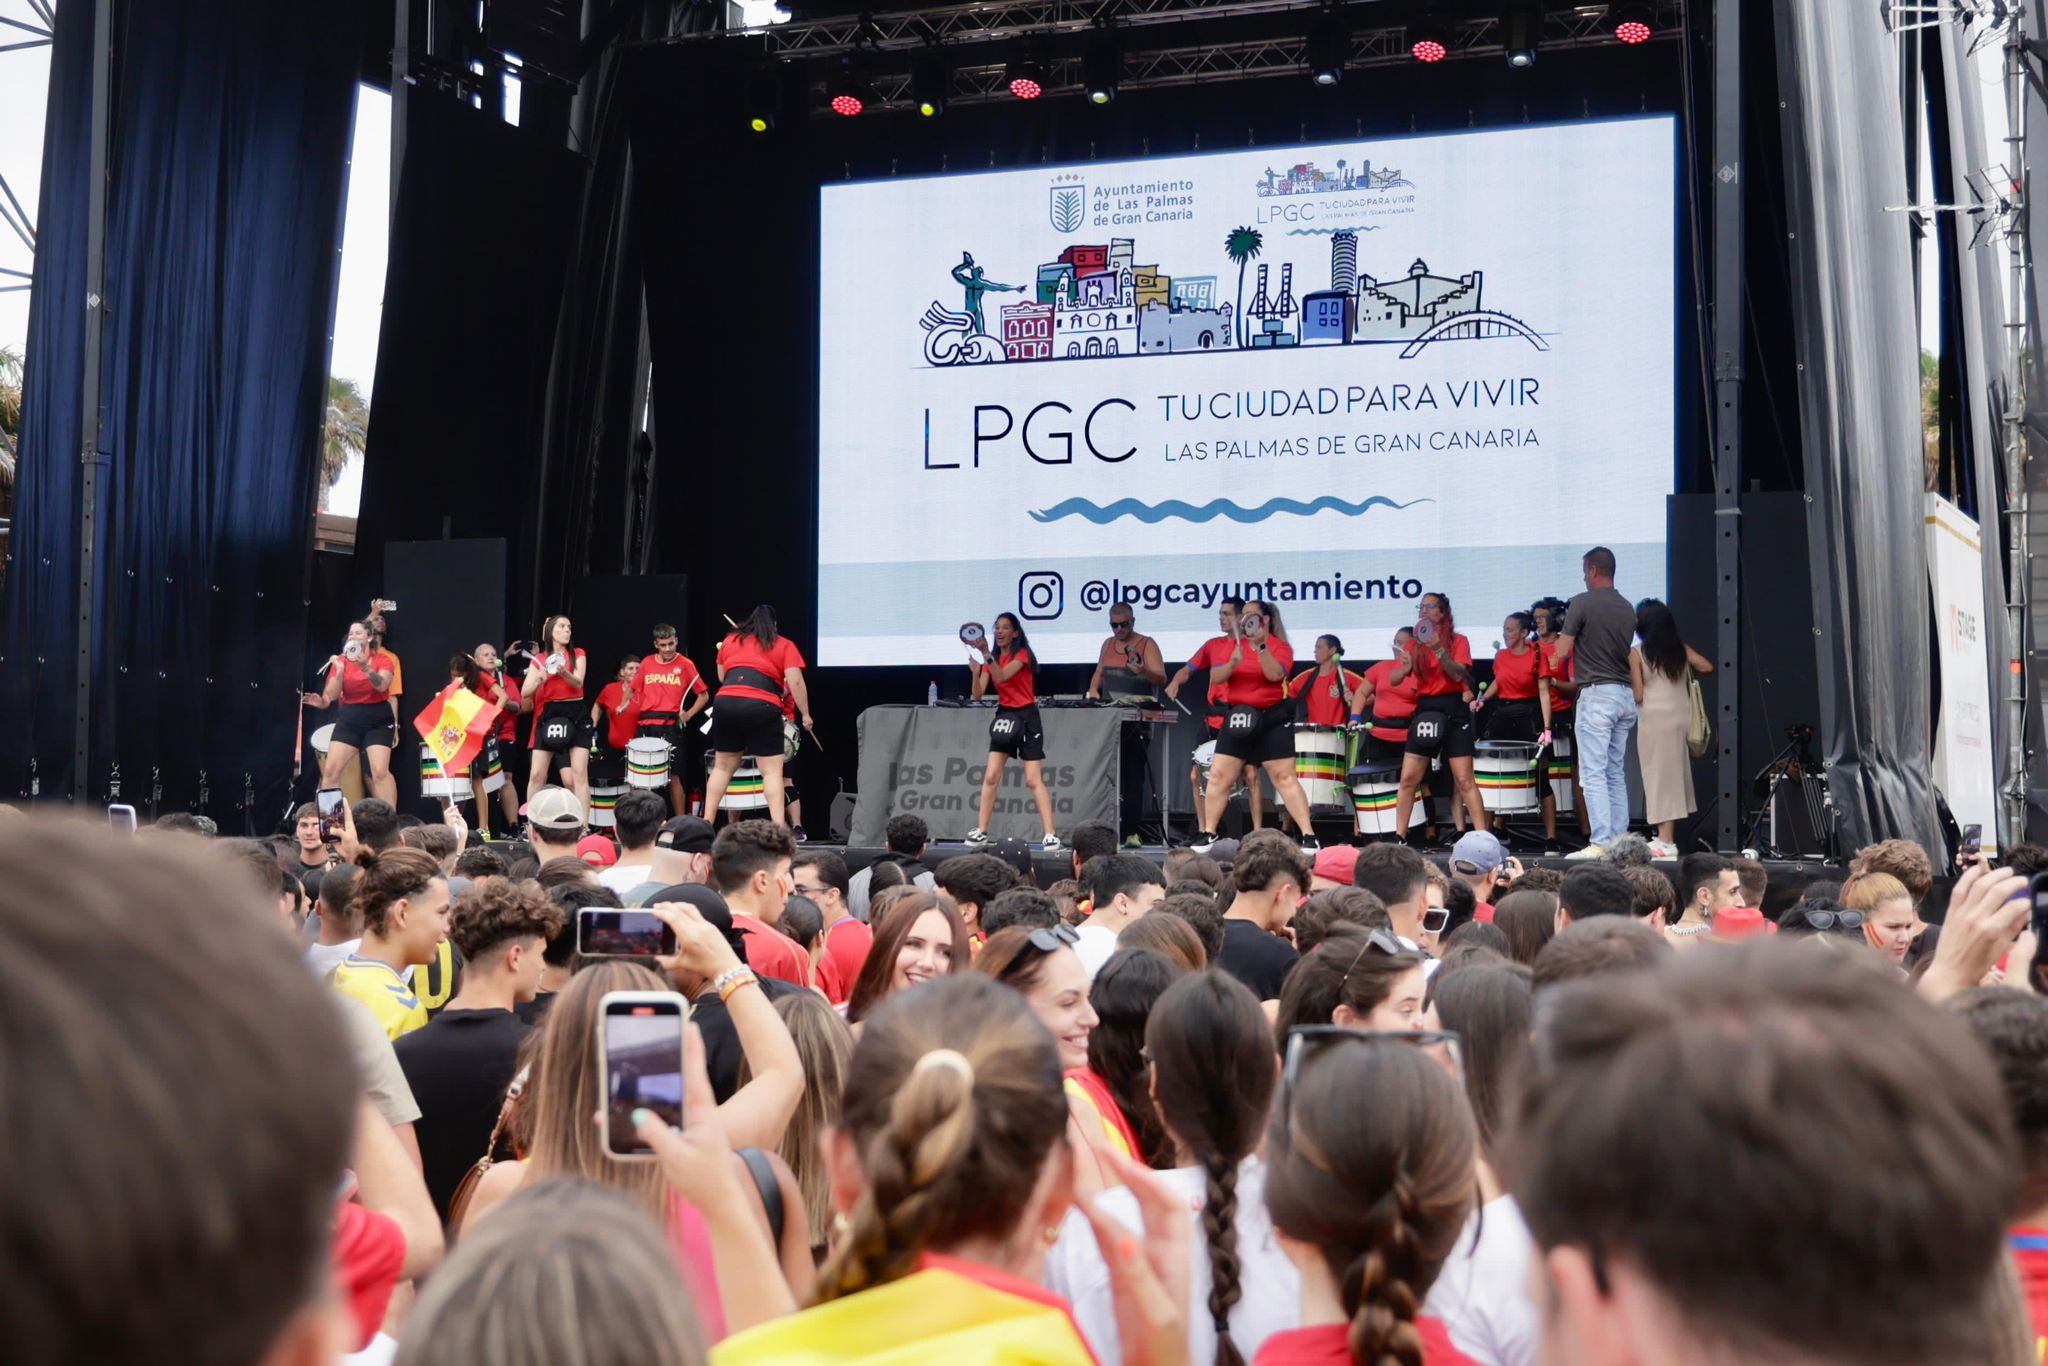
(1357, 717)
(731, 980)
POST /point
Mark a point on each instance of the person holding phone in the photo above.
(758, 667)
(1011, 669)
(1440, 661)
(554, 689)
(1258, 728)
(359, 681)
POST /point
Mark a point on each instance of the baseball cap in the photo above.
(709, 904)
(597, 851)
(555, 808)
(1479, 851)
(1337, 863)
(685, 835)
(1735, 923)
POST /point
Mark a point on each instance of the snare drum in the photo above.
(647, 759)
(1374, 790)
(437, 784)
(1319, 764)
(792, 739)
(1205, 755)
(1505, 771)
(603, 797)
(745, 793)
(321, 739)
(1561, 772)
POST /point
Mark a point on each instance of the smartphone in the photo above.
(604, 933)
(122, 818)
(640, 1057)
(1973, 840)
(333, 812)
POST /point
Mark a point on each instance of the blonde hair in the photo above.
(1867, 891)
(563, 1272)
(824, 1043)
(557, 1136)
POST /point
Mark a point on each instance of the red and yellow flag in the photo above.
(455, 725)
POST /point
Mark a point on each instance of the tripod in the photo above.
(1795, 761)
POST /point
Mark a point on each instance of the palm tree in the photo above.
(345, 431)
(10, 410)
(1241, 246)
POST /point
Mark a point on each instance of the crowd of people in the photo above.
(1254, 1106)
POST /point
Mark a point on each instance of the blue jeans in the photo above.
(1606, 713)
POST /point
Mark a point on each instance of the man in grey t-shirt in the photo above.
(1599, 628)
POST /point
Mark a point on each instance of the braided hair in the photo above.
(1377, 1175)
(954, 1101)
(1212, 1063)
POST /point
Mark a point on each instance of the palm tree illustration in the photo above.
(1241, 246)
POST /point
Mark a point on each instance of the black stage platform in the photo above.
(1788, 879)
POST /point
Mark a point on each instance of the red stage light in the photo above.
(849, 105)
(1024, 88)
(1429, 50)
(1633, 31)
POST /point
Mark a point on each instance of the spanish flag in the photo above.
(455, 725)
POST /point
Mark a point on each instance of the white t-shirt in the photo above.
(1096, 944)
(1482, 1295)
(623, 877)
(324, 958)
(1271, 1298)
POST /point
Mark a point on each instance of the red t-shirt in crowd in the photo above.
(369, 1252)
(1330, 1345)
(1514, 675)
(561, 687)
(619, 726)
(1548, 667)
(666, 687)
(1214, 651)
(1391, 701)
(356, 687)
(2030, 1255)
(1247, 684)
(737, 651)
(846, 951)
(1430, 678)
(1329, 699)
(1020, 689)
(498, 691)
(771, 953)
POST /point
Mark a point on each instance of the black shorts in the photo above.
(1017, 732)
(363, 725)
(563, 726)
(1258, 735)
(1513, 719)
(1378, 751)
(746, 725)
(657, 725)
(1454, 732)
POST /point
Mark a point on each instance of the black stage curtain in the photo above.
(230, 136)
(479, 250)
(732, 310)
(1853, 305)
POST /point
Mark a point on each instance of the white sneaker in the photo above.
(977, 836)
(1051, 845)
(1203, 841)
(1590, 851)
(1660, 849)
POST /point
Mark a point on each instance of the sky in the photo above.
(24, 91)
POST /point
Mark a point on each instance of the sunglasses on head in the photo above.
(1827, 920)
(1441, 1044)
(1378, 941)
(1050, 938)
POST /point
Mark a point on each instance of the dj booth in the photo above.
(928, 761)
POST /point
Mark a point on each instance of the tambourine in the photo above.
(1425, 631)
(972, 635)
(554, 666)
(354, 651)
(1248, 621)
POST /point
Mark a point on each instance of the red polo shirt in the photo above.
(1329, 699)
(666, 687)
(1514, 675)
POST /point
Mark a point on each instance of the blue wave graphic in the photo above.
(1175, 509)
(1325, 232)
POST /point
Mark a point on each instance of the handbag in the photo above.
(458, 1203)
(1699, 732)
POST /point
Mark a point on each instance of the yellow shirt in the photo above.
(378, 986)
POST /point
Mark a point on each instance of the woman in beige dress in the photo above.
(1661, 666)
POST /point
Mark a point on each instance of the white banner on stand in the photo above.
(1964, 766)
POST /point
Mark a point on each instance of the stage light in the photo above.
(1631, 23)
(1329, 43)
(1521, 29)
(931, 80)
(1102, 68)
(1025, 76)
(763, 100)
(846, 92)
(1428, 41)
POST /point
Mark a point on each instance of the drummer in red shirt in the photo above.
(1555, 691)
(561, 718)
(1258, 723)
(1440, 661)
(1326, 690)
(664, 682)
(757, 668)
(359, 679)
(1386, 704)
(1012, 669)
(618, 708)
(504, 739)
(1203, 662)
(1508, 707)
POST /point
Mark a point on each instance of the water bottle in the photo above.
(931, 694)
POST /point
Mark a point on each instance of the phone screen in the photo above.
(643, 1061)
(329, 802)
(602, 933)
(122, 818)
(1973, 839)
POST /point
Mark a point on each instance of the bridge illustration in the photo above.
(1478, 323)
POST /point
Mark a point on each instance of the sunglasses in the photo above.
(1441, 1044)
(1119, 625)
(1434, 918)
(1050, 939)
(1379, 941)
(1828, 920)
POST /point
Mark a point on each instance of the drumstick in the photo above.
(814, 737)
(1182, 705)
